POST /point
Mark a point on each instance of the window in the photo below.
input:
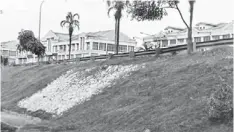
(164, 43)
(64, 49)
(173, 41)
(72, 56)
(49, 46)
(110, 47)
(73, 47)
(60, 57)
(102, 46)
(5, 52)
(95, 46)
(67, 56)
(180, 41)
(226, 36)
(123, 48)
(78, 55)
(197, 39)
(12, 53)
(55, 48)
(77, 46)
(88, 45)
(215, 37)
(94, 54)
(130, 48)
(206, 38)
(63, 57)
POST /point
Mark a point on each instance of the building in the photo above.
(202, 32)
(9, 50)
(86, 44)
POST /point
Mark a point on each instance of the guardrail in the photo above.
(171, 49)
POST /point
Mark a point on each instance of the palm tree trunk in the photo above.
(70, 39)
(117, 41)
(116, 23)
(190, 39)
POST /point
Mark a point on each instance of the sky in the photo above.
(24, 14)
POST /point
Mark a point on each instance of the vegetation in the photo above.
(155, 10)
(118, 6)
(28, 42)
(4, 61)
(170, 93)
(7, 128)
(71, 23)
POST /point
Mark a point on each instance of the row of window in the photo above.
(8, 53)
(62, 57)
(196, 39)
(111, 47)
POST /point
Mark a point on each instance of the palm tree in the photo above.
(118, 6)
(71, 23)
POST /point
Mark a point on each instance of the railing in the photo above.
(175, 48)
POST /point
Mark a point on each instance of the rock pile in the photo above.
(74, 88)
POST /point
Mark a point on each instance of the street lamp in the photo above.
(40, 19)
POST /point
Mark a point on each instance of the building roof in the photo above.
(9, 45)
(62, 36)
(108, 35)
(175, 28)
(205, 23)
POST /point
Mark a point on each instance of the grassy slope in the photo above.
(20, 82)
(169, 94)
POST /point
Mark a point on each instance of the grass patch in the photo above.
(7, 128)
(170, 94)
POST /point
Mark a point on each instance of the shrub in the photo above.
(221, 104)
(7, 128)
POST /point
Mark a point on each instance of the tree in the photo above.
(118, 6)
(28, 42)
(155, 10)
(71, 23)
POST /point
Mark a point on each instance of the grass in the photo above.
(169, 95)
(7, 128)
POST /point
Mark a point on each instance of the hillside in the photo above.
(167, 94)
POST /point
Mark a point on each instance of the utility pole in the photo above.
(40, 20)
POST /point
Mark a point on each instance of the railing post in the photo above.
(157, 51)
(92, 58)
(110, 56)
(77, 60)
(194, 47)
(131, 54)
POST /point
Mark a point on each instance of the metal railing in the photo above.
(171, 49)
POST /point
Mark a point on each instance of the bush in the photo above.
(4, 61)
(7, 128)
(221, 104)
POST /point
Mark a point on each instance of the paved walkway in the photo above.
(18, 120)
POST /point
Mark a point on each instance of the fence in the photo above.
(171, 49)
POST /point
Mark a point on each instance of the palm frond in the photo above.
(76, 23)
(108, 2)
(109, 10)
(76, 14)
(63, 23)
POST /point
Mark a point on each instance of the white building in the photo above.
(202, 32)
(9, 50)
(86, 44)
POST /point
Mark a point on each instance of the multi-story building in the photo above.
(9, 50)
(202, 32)
(86, 44)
